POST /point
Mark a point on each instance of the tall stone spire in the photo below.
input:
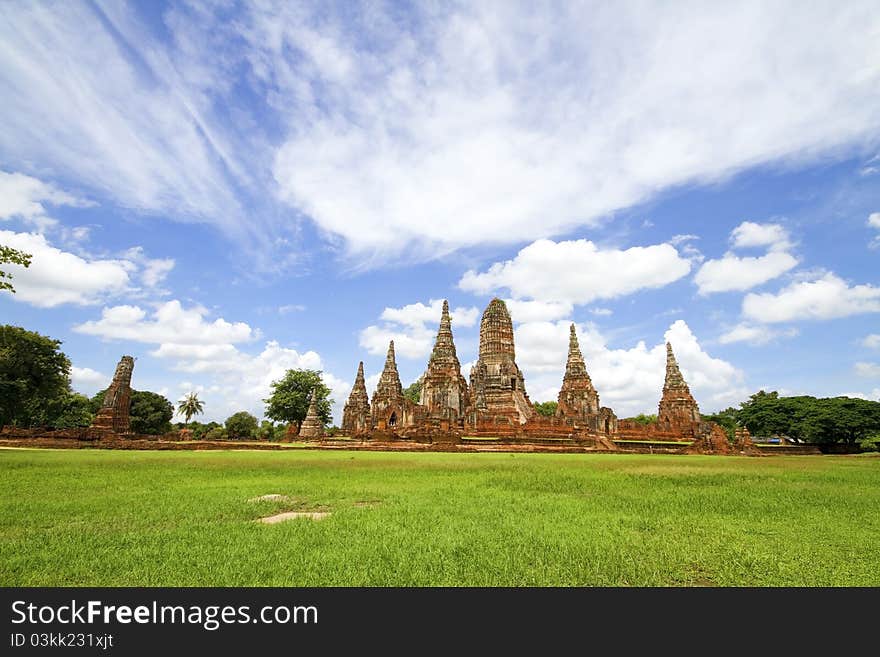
(578, 398)
(444, 347)
(312, 427)
(390, 410)
(356, 415)
(444, 391)
(678, 408)
(114, 413)
(498, 388)
(674, 379)
(389, 383)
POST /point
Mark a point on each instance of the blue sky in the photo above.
(227, 190)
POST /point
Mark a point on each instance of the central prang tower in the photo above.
(498, 389)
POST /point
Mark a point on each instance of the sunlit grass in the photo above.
(114, 518)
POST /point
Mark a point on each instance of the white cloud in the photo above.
(871, 370)
(85, 378)
(290, 308)
(418, 314)
(24, 197)
(520, 128)
(872, 341)
(630, 381)
(874, 222)
(413, 328)
(56, 277)
(126, 116)
(536, 311)
(170, 323)
(459, 125)
(235, 381)
(753, 334)
(578, 272)
(154, 270)
(874, 395)
(601, 312)
(735, 273)
(827, 297)
(750, 234)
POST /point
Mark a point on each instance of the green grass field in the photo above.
(105, 518)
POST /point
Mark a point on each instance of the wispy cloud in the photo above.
(406, 135)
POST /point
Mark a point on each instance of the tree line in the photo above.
(35, 391)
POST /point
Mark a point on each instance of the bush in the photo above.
(547, 408)
(870, 443)
(215, 433)
(241, 425)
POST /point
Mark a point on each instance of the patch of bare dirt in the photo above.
(294, 515)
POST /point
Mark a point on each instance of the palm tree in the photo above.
(189, 406)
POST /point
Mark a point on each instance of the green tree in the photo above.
(34, 376)
(266, 430)
(11, 256)
(72, 410)
(149, 413)
(189, 406)
(216, 433)
(642, 419)
(241, 425)
(810, 419)
(413, 392)
(547, 408)
(199, 429)
(289, 401)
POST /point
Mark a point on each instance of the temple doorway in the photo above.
(392, 421)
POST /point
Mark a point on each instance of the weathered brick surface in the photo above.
(497, 386)
(444, 393)
(390, 410)
(312, 427)
(113, 417)
(578, 401)
(678, 411)
(356, 418)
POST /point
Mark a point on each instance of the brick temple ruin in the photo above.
(113, 416)
(491, 406)
(494, 402)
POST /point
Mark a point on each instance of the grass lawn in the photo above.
(106, 518)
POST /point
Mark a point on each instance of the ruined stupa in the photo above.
(578, 398)
(497, 388)
(312, 427)
(356, 415)
(678, 410)
(390, 410)
(444, 392)
(113, 415)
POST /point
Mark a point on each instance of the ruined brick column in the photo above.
(312, 427)
(497, 388)
(444, 391)
(678, 410)
(356, 415)
(113, 416)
